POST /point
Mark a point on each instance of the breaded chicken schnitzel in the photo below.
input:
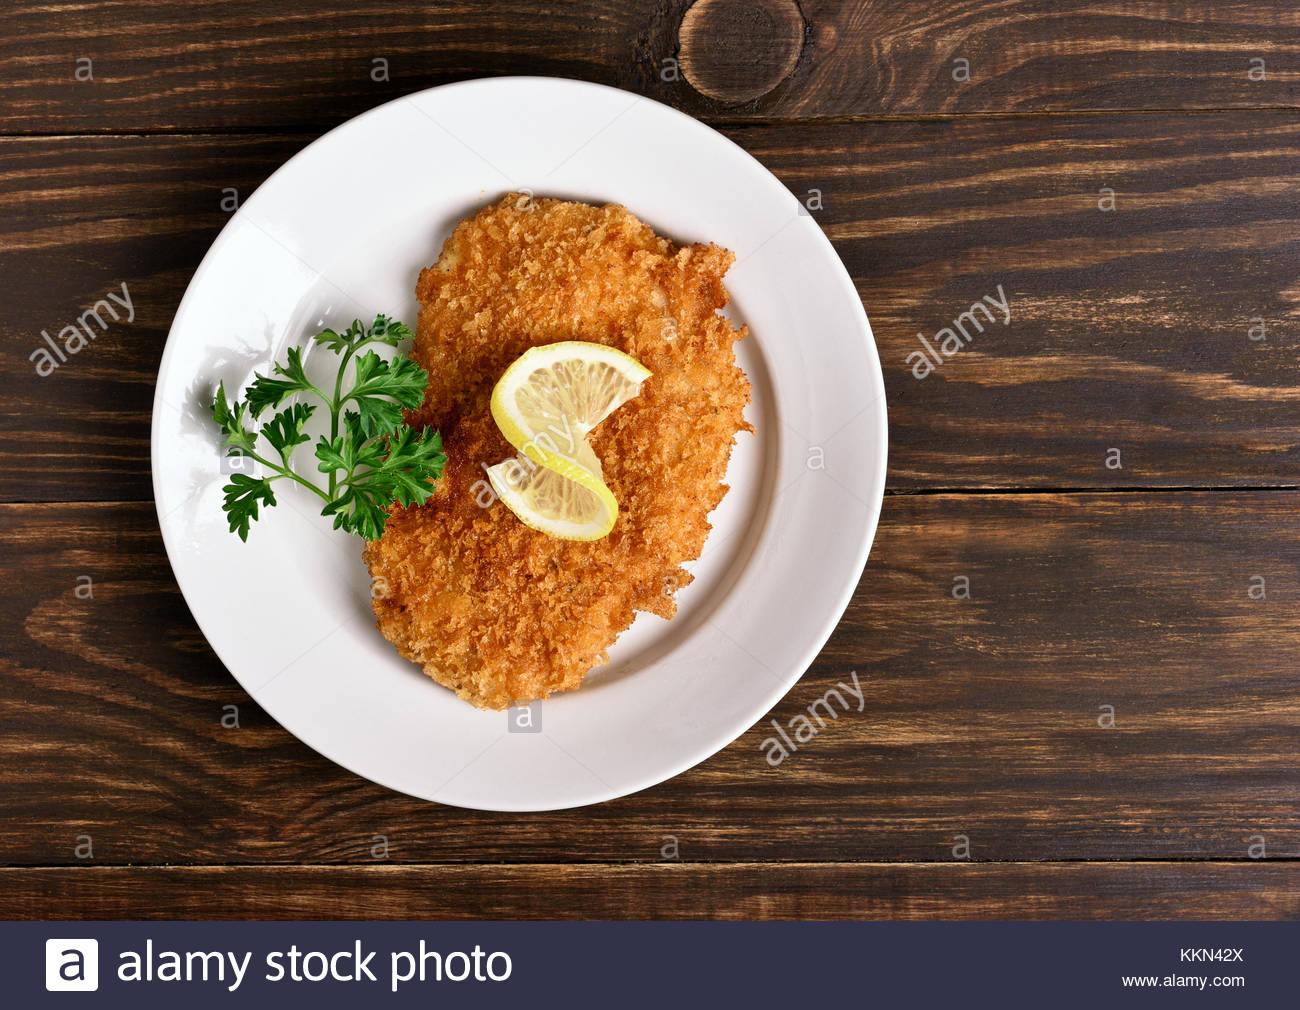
(501, 613)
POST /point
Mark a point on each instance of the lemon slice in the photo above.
(544, 500)
(546, 404)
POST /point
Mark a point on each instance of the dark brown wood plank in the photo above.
(1165, 328)
(1130, 329)
(983, 717)
(289, 63)
(80, 217)
(745, 891)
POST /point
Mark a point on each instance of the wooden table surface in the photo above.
(1108, 726)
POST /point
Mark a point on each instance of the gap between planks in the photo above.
(727, 122)
(966, 492)
(667, 864)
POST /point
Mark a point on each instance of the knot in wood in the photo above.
(733, 51)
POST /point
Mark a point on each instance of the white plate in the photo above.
(342, 231)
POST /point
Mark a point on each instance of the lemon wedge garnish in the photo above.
(546, 404)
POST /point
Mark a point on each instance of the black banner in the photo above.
(628, 965)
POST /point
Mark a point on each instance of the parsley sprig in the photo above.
(370, 458)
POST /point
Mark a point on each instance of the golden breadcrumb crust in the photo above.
(501, 613)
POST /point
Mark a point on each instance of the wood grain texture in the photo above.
(268, 65)
(983, 717)
(1165, 328)
(1130, 329)
(1117, 701)
(861, 891)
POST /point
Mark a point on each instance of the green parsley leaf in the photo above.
(345, 341)
(243, 495)
(384, 331)
(231, 418)
(390, 331)
(269, 392)
(400, 469)
(383, 389)
(414, 460)
(284, 430)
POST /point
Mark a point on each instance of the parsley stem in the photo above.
(336, 404)
(284, 471)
